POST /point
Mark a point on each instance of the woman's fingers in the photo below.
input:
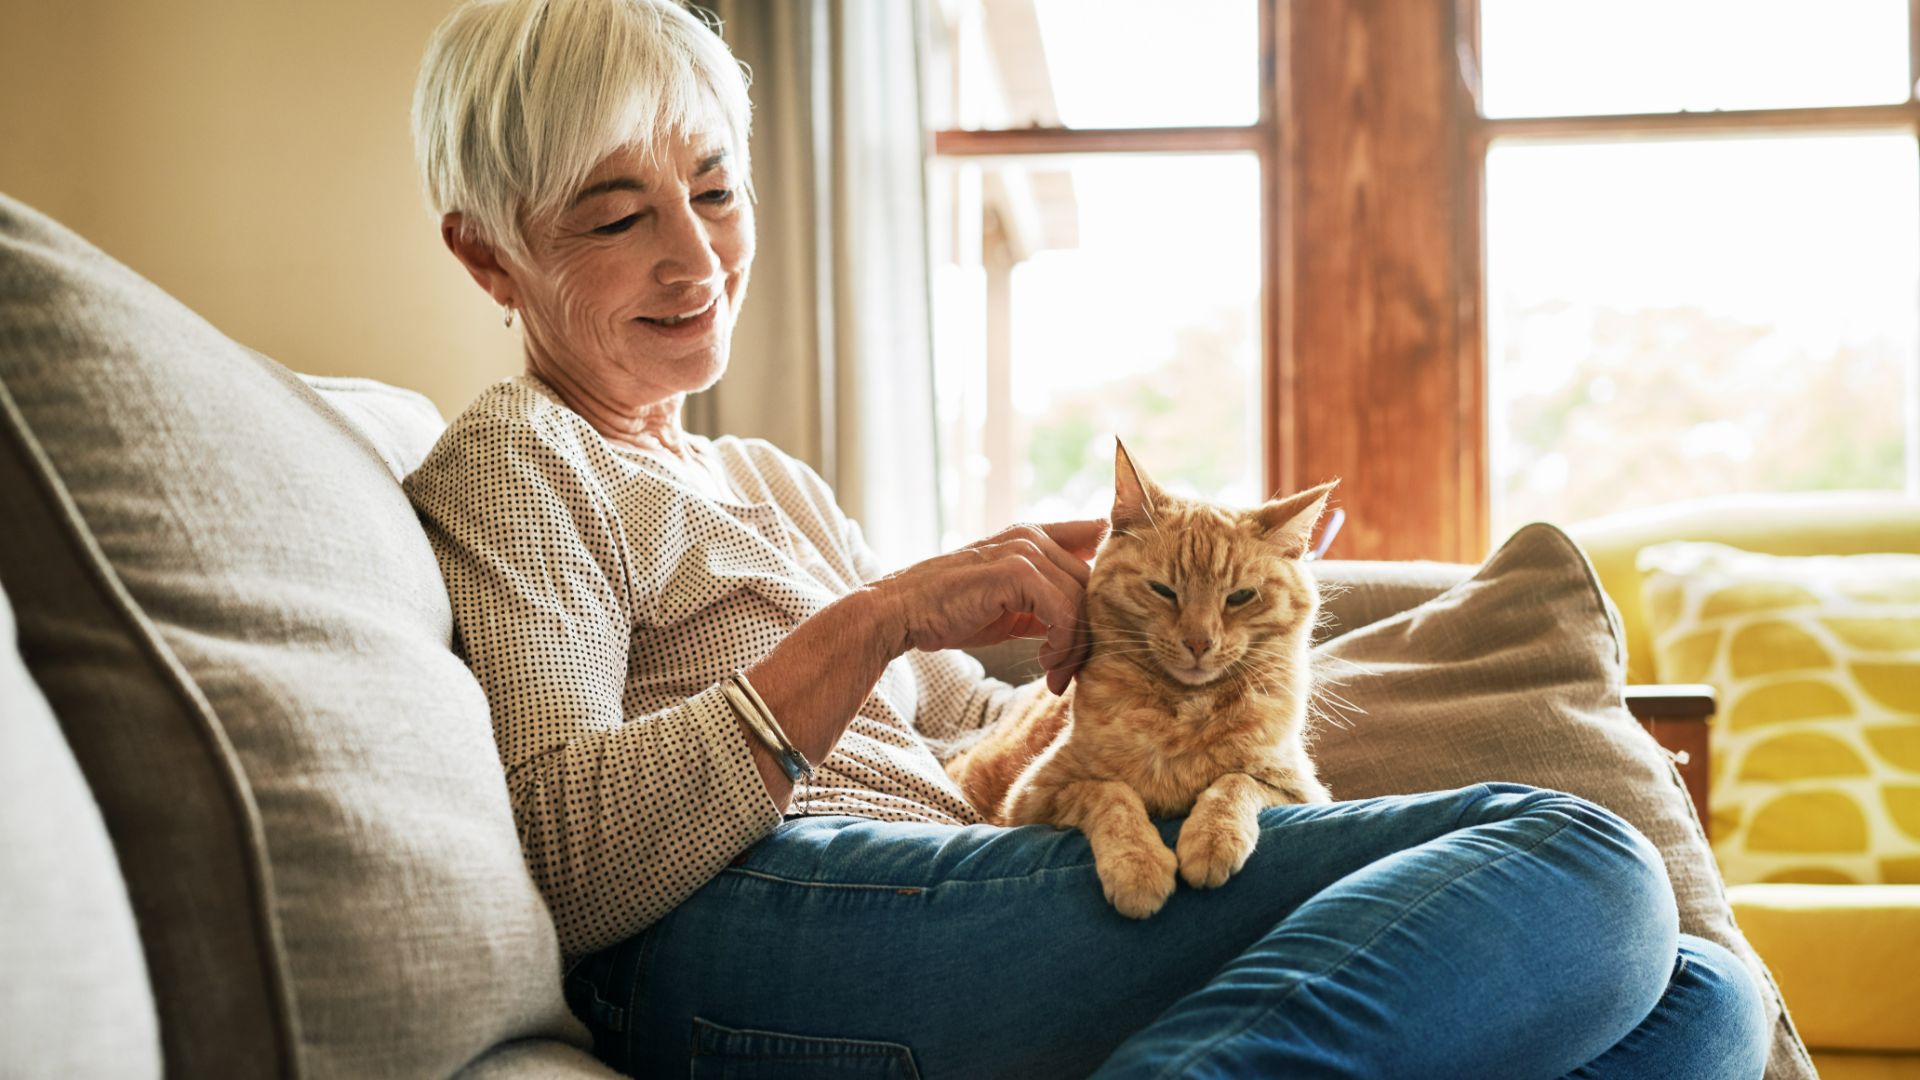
(1067, 643)
(1055, 565)
(1064, 596)
(1079, 538)
(1053, 597)
(1071, 559)
(1062, 671)
(1022, 583)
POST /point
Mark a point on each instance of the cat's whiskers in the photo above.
(1338, 714)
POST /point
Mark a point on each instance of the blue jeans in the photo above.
(1494, 931)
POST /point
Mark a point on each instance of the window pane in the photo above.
(1093, 63)
(1584, 57)
(1683, 318)
(1077, 299)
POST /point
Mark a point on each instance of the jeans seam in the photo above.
(1177, 1067)
(642, 960)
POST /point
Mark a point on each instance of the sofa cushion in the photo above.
(1844, 955)
(1816, 749)
(167, 783)
(1354, 594)
(1517, 674)
(1781, 523)
(401, 425)
(287, 636)
(69, 952)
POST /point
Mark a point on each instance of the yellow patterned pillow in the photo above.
(1816, 747)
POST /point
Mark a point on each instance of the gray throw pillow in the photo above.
(230, 604)
(74, 1000)
(1516, 674)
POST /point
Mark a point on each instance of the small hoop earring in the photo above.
(508, 321)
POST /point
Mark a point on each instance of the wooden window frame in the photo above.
(1372, 153)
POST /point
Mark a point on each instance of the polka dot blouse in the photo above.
(602, 593)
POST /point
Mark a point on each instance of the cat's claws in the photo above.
(1138, 883)
(1209, 855)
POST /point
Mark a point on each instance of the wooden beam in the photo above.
(1383, 384)
(1902, 116)
(1472, 463)
(1277, 391)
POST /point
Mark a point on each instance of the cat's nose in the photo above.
(1199, 646)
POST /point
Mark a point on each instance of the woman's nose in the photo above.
(686, 253)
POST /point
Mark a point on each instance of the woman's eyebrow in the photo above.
(633, 184)
(617, 183)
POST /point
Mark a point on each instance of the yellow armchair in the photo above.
(1846, 956)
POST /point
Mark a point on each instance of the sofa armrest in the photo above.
(1676, 715)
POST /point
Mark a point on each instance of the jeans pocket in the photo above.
(724, 1053)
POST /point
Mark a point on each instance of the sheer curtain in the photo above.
(832, 353)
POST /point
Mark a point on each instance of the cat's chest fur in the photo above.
(1170, 748)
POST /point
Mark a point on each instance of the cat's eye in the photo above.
(1161, 589)
(1235, 599)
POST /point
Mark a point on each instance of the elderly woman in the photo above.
(673, 629)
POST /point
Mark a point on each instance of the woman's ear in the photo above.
(481, 259)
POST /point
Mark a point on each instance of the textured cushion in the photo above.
(1354, 594)
(160, 767)
(1844, 955)
(69, 952)
(282, 616)
(402, 425)
(1795, 523)
(1816, 746)
(1517, 674)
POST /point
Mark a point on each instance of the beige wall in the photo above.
(253, 158)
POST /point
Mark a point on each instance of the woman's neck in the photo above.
(644, 425)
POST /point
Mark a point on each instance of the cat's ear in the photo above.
(1289, 522)
(1134, 496)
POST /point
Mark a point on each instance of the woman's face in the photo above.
(633, 288)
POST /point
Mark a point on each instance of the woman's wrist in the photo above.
(876, 607)
(815, 680)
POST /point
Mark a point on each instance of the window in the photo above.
(1695, 302)
(1097, 252)
(1483, 260)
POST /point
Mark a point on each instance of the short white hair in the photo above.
(518, 100)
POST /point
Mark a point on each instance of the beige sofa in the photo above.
(254, 824)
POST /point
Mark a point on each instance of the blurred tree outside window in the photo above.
(1673, 315)
(1081, 294)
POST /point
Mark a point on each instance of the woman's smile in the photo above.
(691, 324)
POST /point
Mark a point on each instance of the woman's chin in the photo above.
(688, 372)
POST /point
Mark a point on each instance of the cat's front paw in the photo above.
(1139, 879)
(1213, 849)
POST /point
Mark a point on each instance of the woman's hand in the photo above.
(1028, 581)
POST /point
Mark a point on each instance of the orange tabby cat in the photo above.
(1193, 701)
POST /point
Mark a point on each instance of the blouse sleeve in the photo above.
(956, 696)
(620, 817)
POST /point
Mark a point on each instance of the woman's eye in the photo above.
(614, 227)
(718, 196)
(1161, 589)
(1235, 599)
